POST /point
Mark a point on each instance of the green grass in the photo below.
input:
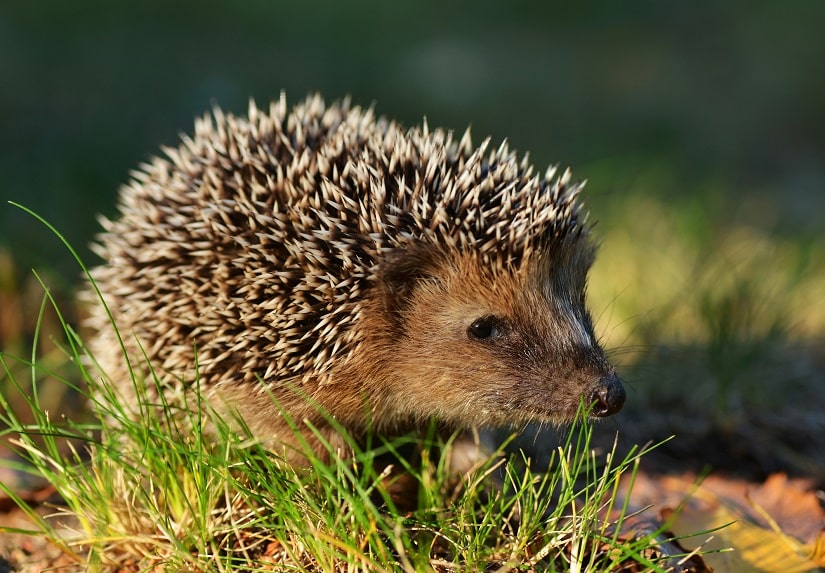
(688, 272)
(679, 274)
(178, 488)
(164, 491)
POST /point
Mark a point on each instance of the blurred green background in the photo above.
(699, 125)
(705, 92)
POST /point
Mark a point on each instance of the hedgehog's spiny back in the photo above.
(261, 239)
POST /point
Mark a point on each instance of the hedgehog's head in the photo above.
(496, 348)
(493, 329)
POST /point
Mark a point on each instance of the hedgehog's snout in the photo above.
(608, 396)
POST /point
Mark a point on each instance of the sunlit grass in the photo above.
(678, 274)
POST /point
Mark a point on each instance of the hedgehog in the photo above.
(325, 265)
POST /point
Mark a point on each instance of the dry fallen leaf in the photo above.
(778, 526)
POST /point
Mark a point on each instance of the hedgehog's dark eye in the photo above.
(483, 328)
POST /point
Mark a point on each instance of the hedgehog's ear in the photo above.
(400, 273)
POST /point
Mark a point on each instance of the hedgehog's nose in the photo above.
(608, 397)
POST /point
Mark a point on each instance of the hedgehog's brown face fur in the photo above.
(474, 346)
